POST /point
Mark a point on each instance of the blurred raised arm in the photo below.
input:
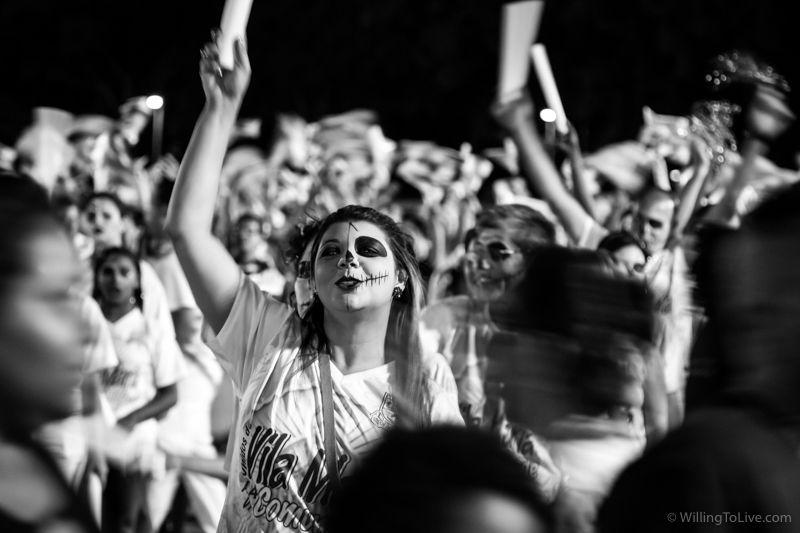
(212, 273)
(517, 117)
(572, 147)
(690, 194)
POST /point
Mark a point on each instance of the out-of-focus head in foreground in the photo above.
(751, 284)
(40, 331)
(439, 480)
(499, 248)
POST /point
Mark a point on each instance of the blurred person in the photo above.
(460, 327)
(83, 135)
(659, 222)
(578, 342)
(142, 388)
(68, 210)
(185, 432)
(737, 452)
(41, 342)
(42, 150)
(440, 480)
(113, 150)
(71, 440)
(250, 250)
(68, 440)
(134, 228)
(354, 365)
(104, 221)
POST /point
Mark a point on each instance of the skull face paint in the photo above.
(493, 261)
(354, 267)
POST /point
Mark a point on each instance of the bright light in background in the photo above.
(155, 102)
(548, 115)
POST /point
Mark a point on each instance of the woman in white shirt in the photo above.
(364, 321)
(141, 388)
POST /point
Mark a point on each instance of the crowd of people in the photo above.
(417, 338)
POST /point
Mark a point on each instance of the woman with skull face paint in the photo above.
(460, 327)
(315, 393)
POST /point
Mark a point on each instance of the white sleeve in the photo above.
(255, 320)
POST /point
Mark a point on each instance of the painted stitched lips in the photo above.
(352, 282)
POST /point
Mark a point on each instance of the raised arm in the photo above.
(571, 145)
(517, 117)
(212, 273)
(690, 194)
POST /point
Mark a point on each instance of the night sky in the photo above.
(429, 67)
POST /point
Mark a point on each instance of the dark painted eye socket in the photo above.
(497, 250)
(369, 247)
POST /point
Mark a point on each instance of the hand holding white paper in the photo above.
(233, 26)
(548, 83)
(520, 24)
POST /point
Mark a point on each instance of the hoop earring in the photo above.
(132, 300)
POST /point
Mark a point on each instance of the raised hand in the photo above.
(224, 88)
(514, 111)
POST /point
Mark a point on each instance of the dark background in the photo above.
(429, 67)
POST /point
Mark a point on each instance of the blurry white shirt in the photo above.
(147, 362)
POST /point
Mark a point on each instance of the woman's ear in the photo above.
(402, 278)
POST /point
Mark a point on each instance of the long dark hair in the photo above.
(412, 400)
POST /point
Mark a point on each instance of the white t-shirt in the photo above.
(99, 353)
(147, 362)
(278, 478)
